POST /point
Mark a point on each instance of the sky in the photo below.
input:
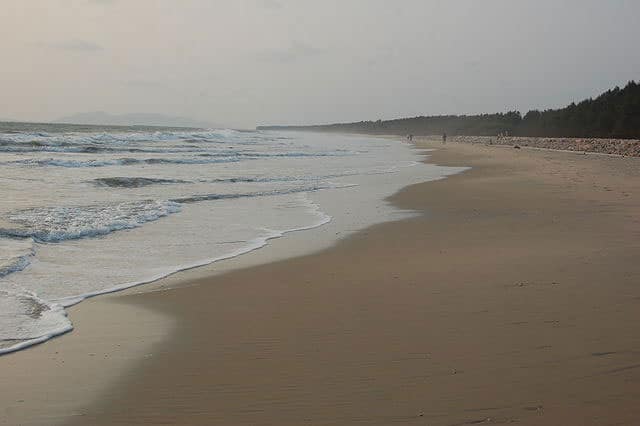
(242, 63)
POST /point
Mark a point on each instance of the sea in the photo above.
(89, 210)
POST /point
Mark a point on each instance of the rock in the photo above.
(626, 147)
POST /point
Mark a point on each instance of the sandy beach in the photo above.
(511, 298)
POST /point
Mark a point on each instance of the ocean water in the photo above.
(89, 210)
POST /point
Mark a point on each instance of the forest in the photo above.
(613, 114)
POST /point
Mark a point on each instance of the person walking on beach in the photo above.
(444, 138)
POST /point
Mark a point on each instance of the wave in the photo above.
(55, 224)
(23, 148)
(56, 162)
(42, 222)
(133, 182)
(263, 179)
(138, 182)
(40, 320)
(165, 142)
(15, 255)
(251, 154)
(206, 158)
(103, 138)
(61, 223)
(231, 196)
(29, 320)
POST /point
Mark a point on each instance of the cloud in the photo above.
(72, 46)
(297, 50)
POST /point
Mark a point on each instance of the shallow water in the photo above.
(89, 210)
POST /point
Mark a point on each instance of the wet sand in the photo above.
(514, 297)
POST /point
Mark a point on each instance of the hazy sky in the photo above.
(246, 62)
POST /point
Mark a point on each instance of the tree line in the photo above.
(613, 114)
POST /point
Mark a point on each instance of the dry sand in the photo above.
(514, 298)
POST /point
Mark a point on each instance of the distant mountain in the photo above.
(136, 119)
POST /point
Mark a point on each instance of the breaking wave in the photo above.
(55, 224)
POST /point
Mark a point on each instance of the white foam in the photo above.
(57, 162)
(15, 255)
(38, 320)
(54, 224)
(250, 246)
(115, 138)
(28, 320)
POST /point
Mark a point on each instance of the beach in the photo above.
(511, 298)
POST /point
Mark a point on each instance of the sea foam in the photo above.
(54, 224)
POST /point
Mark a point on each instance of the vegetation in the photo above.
(614, 114)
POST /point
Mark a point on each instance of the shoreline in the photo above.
(52, 352)
(309, 212)
(346, 335)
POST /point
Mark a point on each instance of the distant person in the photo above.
(444, 138)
